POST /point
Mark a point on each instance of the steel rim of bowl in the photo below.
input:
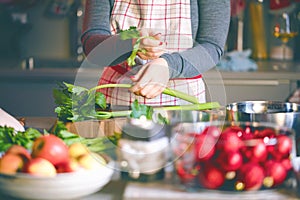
(263, 107)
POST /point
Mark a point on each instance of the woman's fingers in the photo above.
(152, 90)
(150, 55)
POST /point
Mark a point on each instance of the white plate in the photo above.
(63, 186)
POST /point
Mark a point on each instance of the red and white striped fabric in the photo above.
(172, 19)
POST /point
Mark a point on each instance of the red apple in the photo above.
(70, 165)
(50, 147)
(211, 177)
(250, 177)
(40, 167)
(11, 163)
(19, 150)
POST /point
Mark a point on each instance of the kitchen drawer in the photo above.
(233, 90)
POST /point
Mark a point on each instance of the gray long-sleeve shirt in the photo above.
(210, 23)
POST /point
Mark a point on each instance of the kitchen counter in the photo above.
(122, 190)
(167, 189)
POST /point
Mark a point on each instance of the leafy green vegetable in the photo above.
(75, 103)
(132, 33)
(139, 110)
(9, 137)
(162, 120)
(98, 144)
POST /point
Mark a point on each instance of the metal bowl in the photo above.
(283, 114)
(280, 113)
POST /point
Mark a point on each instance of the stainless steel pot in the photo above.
(280, 113)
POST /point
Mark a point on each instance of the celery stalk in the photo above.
(167, 91)
(195, 106)
(126, 113)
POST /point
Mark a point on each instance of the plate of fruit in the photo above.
(50, 168)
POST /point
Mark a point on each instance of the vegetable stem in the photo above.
(126, 113)
(167, 91)
(199, 106)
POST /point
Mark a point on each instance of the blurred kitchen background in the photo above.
(40, 45)
(44, 32)
(48, 31)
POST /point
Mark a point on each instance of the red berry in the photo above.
(230, 161)
(186, 174)
(204, 147)
(287, 164)
(211, 177)
(213, 131)
(250, 177)
(276, 171)
(236, 129)
(259, 151)
(284, 145)
(267, 132)
(247, 134)
(229, 141)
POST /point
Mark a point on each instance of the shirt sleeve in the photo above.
(96, 29)
(96, 26)
(210, 25)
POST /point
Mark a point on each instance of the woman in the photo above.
(188, 38)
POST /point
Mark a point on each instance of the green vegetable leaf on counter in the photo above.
(98, 144)
(9, 137)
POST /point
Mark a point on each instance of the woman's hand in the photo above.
(152, 47)
(151, 79)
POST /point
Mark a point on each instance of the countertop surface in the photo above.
(166, 189)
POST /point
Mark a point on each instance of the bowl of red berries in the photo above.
(232, 156)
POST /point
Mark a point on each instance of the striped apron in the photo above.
(172, 19)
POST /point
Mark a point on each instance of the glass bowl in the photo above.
(232, 156)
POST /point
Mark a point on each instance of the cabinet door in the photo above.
(229, 91)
